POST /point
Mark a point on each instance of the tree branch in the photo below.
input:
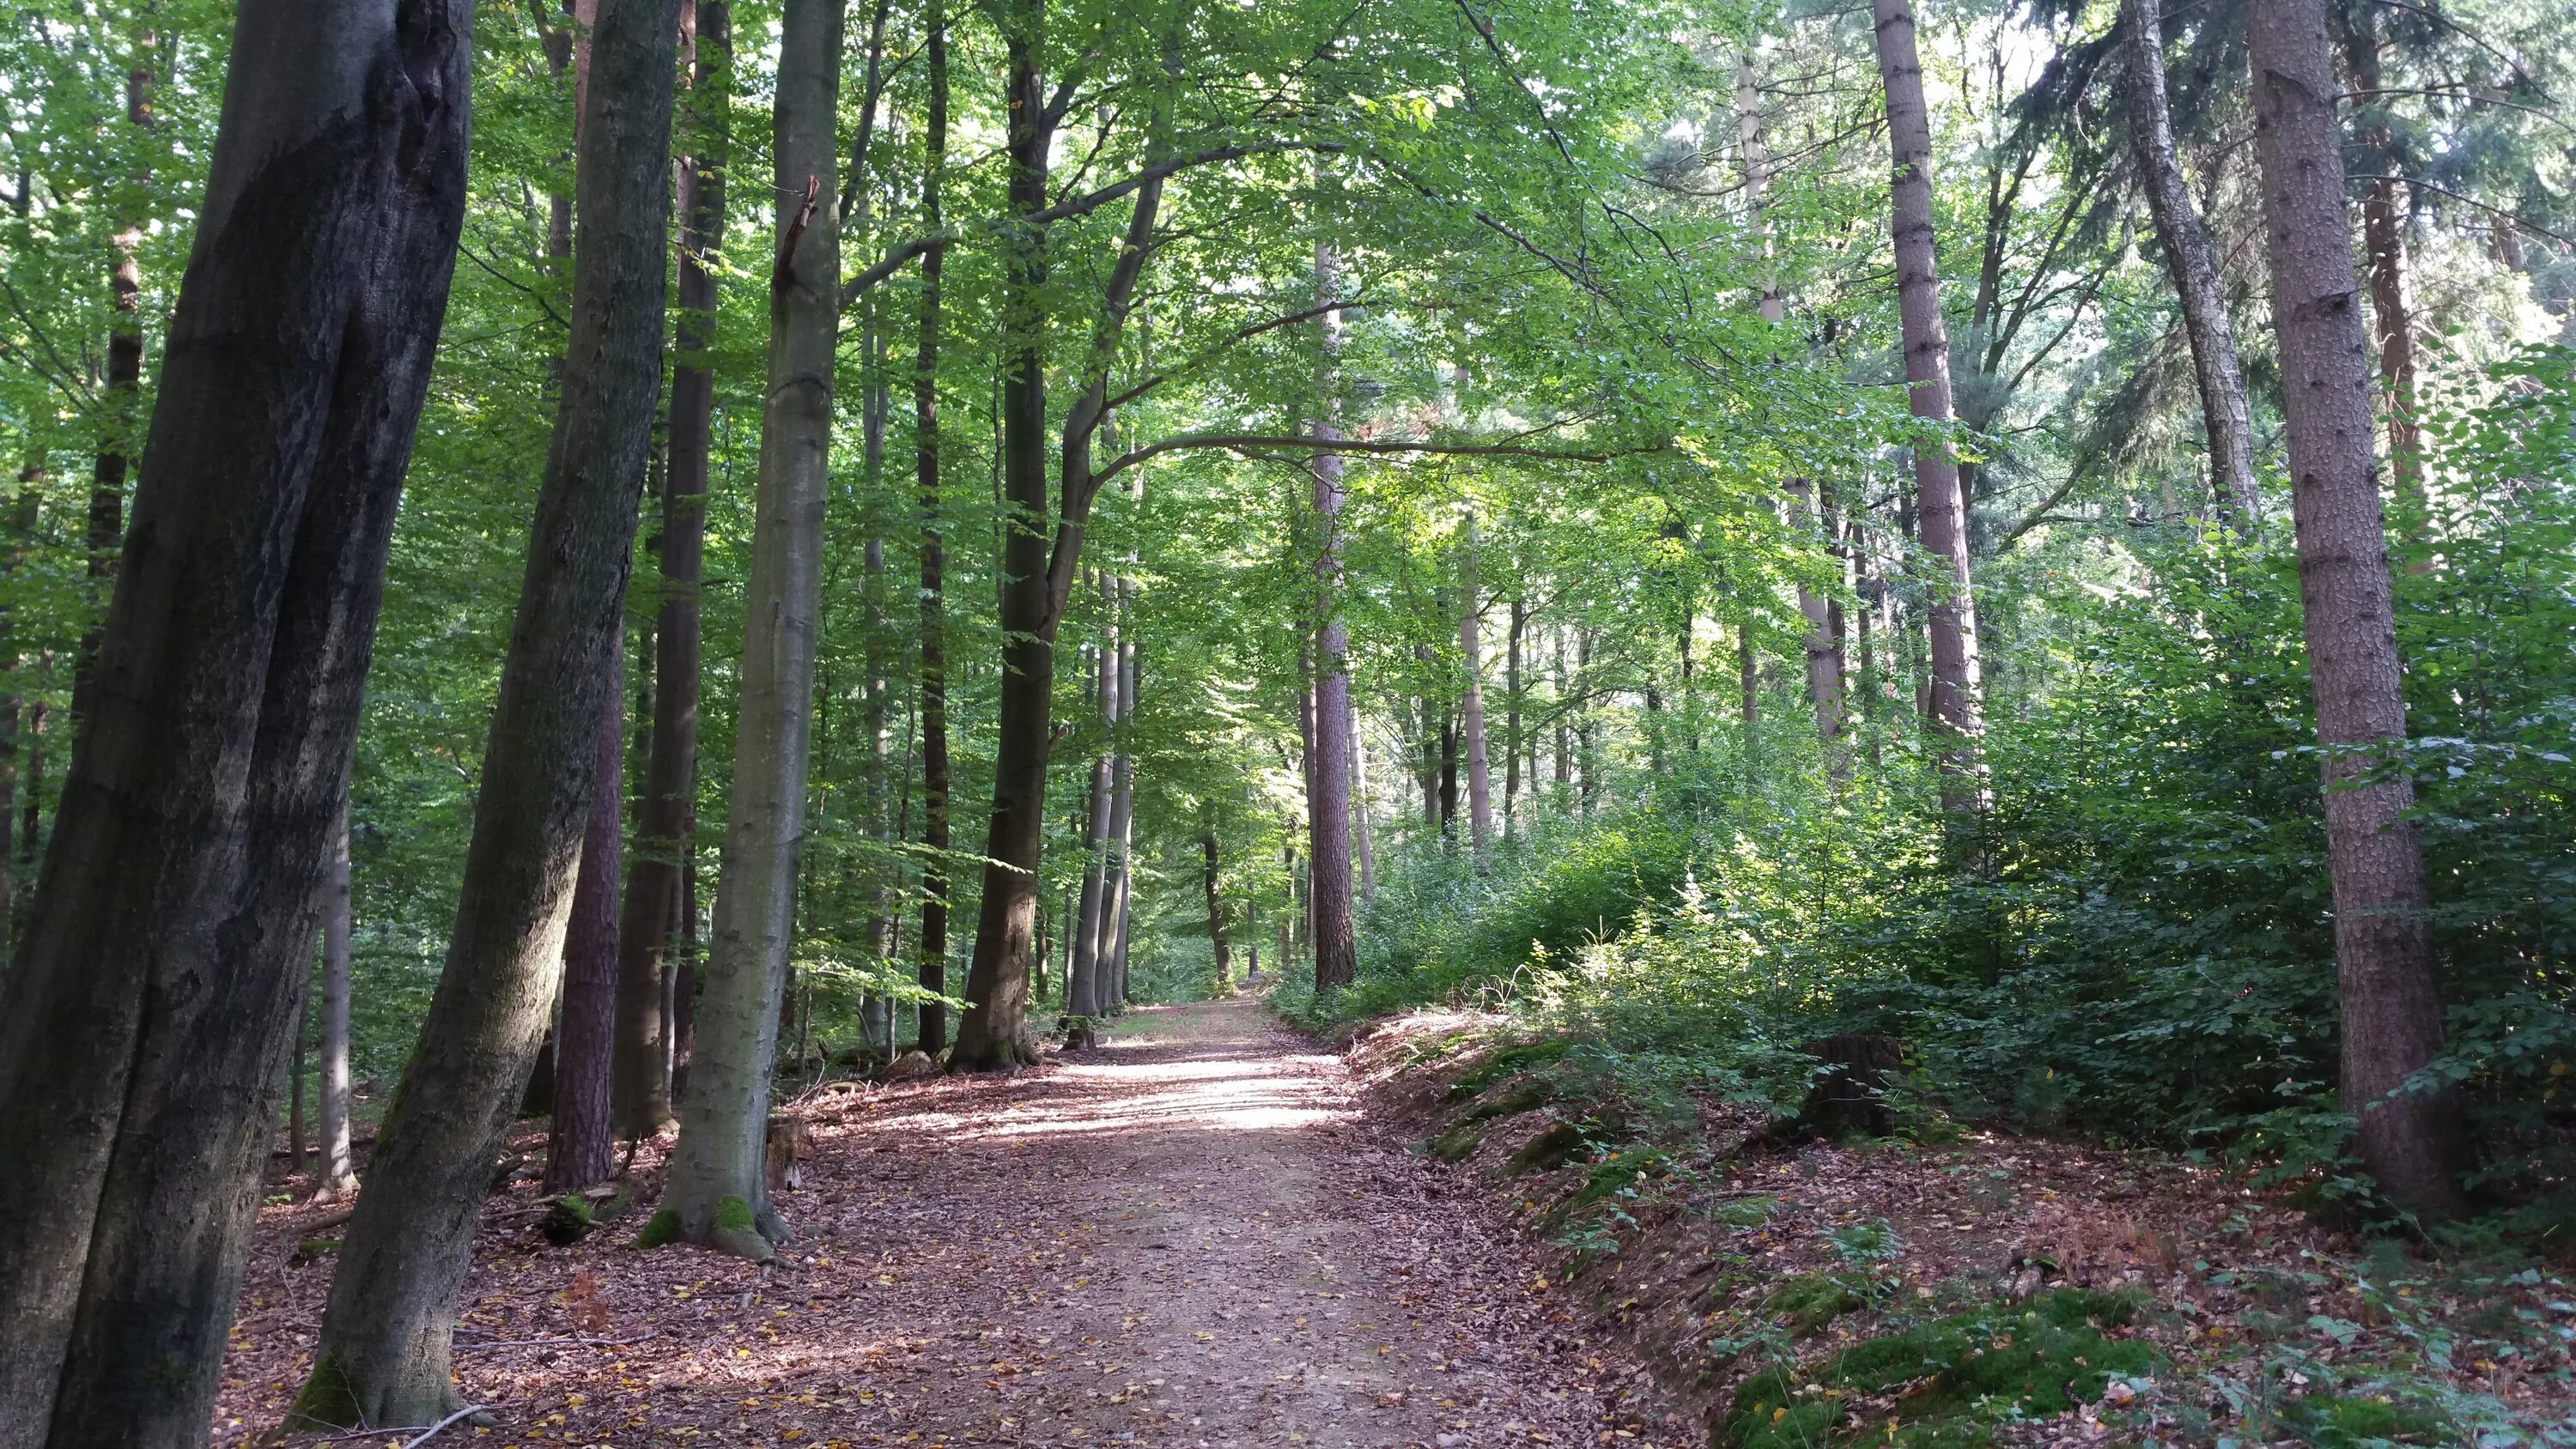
(1247, 442)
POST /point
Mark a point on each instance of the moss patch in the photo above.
(1505, 1062)
(2033, 1359)
(1809, 1301)
(1458, 1143)
(2334, 1421)
(661, 1228)
(733, 1214)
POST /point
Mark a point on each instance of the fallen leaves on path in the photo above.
(1193, 1235)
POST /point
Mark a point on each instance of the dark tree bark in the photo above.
(1512, 712)
(145, 1026)
(2193, 265)
(1037, 577)
(2385, 964)
(383, 1357)
(580, 1149)
(121, 386)
(1941, 512)
(1480, 789)
(666, 820)
(716, 1189)
(933, 946)
(1328, 776)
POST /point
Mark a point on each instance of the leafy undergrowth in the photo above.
(1968, 1288)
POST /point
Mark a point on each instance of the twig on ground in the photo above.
(467, 1412)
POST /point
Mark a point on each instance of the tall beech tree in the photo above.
(666, 812)
(383, 1357)
(1328, 778)
(147, 1019)
(932, 945)
(2386, 971)
(716, 1192)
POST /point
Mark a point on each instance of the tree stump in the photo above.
(1848, 1097)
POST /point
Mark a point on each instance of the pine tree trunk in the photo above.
(933, 947)
(146, 1021)
(1328, 778)
(2385, 963)
(580, 1149)
(667, 812)
(336, 1177)
(2193, 267)
(716, 1191)
(1941, 513)
(383, 1357)
(2383, 236)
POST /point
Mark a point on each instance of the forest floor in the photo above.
(1195, 1234)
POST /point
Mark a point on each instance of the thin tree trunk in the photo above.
(1223, 953)
(2391, 997)
(580, 1149)
(1112, 990)
(2383, 236)
(1083, 998)
(146, 1021)
(1512, 713)
(336, 1177)
(1360, 807)
(716, 1191)
(1328, 776)
(1941, 511)
(121, 389)
(934, 560)
(1480, 790)
(383, 1356)
(2193, 267)
(1564, 761)
(667, 813)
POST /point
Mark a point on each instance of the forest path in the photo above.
(1190, 1235)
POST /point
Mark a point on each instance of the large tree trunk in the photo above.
(120, 401)
(1480, 789)
(1037, 577)
(716, 1191)
(1328, 777)
(667, 813)
(995, 1031)
(933, 947)
(146, 1022)
(2392, 1008)
(383, 1357)
(579, 1147)
(1941, 512)
(336, 1177)
(2193, 266)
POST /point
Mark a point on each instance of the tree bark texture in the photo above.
(666, 817)
(336, 1177)
(383, 1357)
(1118, 881)
(716, 1187)
(1328, 778)
(146, 1023)
(2193, 265)
(2385, 965)
(1082, 972)
(580, 1149)
(1941, 513)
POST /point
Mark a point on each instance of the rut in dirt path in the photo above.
(1190, 1235)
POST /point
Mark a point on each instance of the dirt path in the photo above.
(1189, 1236)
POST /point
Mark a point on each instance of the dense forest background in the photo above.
(1491, 425)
